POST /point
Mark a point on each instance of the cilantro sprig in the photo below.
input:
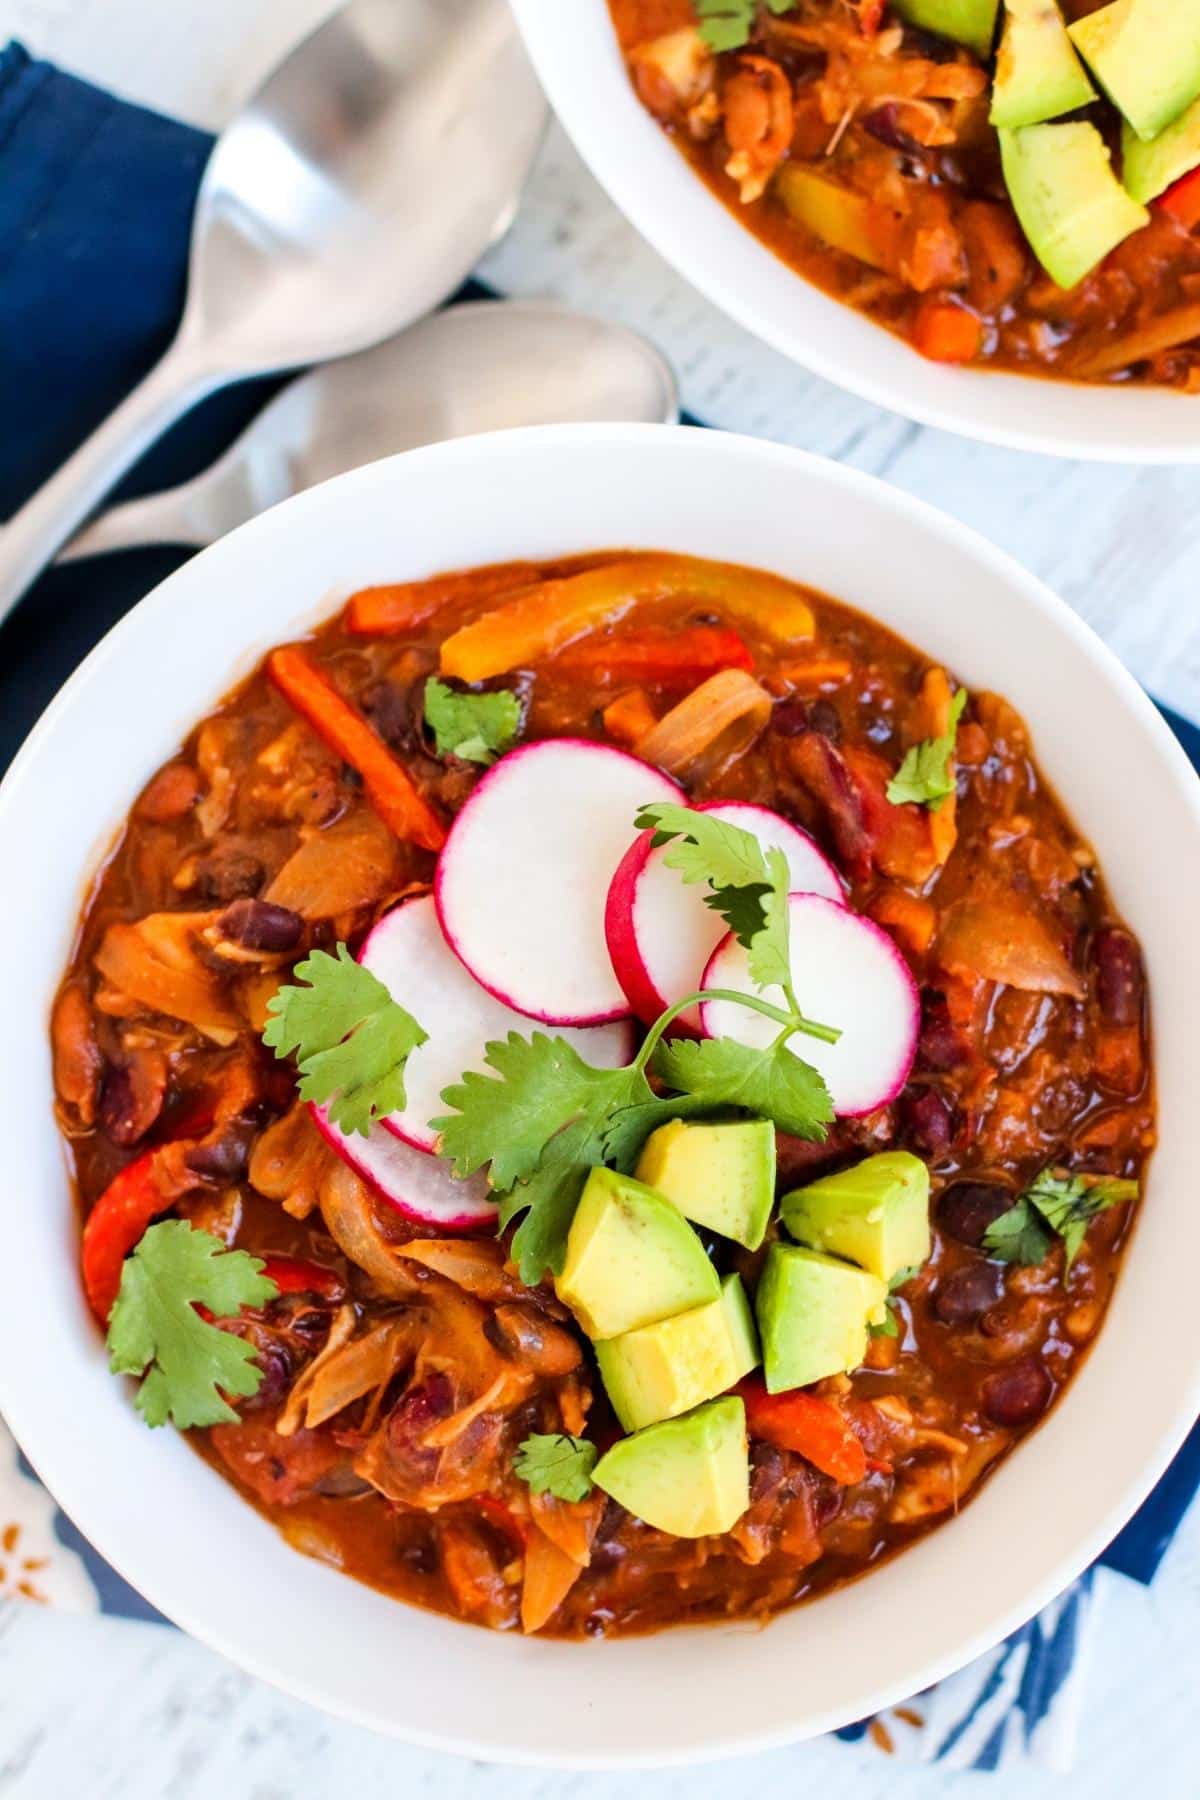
(351, 1039)
(1061, 1206)
(474, 727)
(555, 1463)
(889, 1325)
(726, 24)
(154, 1331)
(925, 775)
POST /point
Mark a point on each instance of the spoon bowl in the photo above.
(476, 367)
(352, 195)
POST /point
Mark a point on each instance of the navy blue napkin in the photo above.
(96, 200)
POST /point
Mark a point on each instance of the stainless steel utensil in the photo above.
(352, 194)
(475, 367)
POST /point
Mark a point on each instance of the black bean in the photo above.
(260, 925)
(1019, 1394)
(966, 1209)
(387, 706)
(1120, 983)
(823, 716)
(968, 1293)
(226, 874)
(928, 1119)
(224, 1159)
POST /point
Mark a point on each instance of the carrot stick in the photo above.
(548, 617)
(386, 782)
(946, 332)
(398, 606)
(814, 1429)
(684, 657)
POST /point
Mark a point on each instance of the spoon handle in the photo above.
(30, 538)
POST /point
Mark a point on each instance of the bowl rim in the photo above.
(650, 181)
(49, 1447)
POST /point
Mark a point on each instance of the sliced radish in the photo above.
(408, 953)
(661, 934)
(521, 883)
(421, 1187)
(846, 972)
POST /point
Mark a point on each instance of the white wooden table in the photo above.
(140, 1713)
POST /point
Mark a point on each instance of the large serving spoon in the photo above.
(352, 194)
(474, 367)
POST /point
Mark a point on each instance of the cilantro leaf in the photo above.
(557, 1464)
(1069, 1204)
(725, 24)
(773, 1083)
(890, 1326)
(1018, 1236)
(156, 1331)
(629, 1128)
(548, 1200)
(770, 956)
(541, 1085)
(474, 727)
(351, 1038)
(924, 776)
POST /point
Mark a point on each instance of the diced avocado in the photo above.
(1071, 206)
(969, 22)
(631, 1258)
(875, 1215)
(666, 1369)
(835, 214)
(1038, 75)
(1146, 56)
(1150, 169)
(688, 1476)
(722, 1176)
(813, 1316)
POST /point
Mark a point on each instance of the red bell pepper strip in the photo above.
(814, 1429)
(386, 782)
(114, 1225)
(682, 658)
(296, 1275)
(1182, 200)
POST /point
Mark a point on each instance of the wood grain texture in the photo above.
(136, 1712)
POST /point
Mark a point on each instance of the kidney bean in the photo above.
(941, 1045)
(967, 1208)
(1017, 1395)
(261, 925)
(171, 793)
(929, 1119)
(884, 125)
(225, 1158)
(968, 1293)
(131, 1097)
(823, 716)
(790, 718)
(1120, 982)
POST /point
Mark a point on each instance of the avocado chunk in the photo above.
(969, 22)
(813, 1316)
(688, 1476)
(631, 1258)
(668, 1368)
(1071, 206)
(1038, 75)
(875, 1215)
(1146, 56)
(1150, 169)
(721, 1176)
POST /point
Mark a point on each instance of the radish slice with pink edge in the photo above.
(419, 1186)
(408, 953)
(846, 972)
(521, 882)
(660, 932)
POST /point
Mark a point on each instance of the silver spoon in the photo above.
(475, 367)
(352, 194)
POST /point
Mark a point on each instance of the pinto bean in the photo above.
(968, 1293)
(261, 925)
(1120, 982)
(132, 1097)
(528, 1337)
(967, 1208)
(1018, 1395)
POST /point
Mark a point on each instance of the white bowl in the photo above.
(181, 1534)
(575, 52)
